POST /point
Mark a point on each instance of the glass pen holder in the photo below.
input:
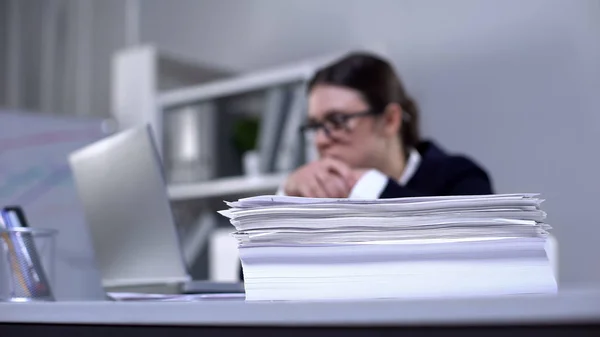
(27, 257)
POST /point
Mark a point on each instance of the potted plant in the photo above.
(245, 138)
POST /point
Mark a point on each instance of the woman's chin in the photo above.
(341, 158)
(334, 156)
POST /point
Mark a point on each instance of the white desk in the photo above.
(581, 307)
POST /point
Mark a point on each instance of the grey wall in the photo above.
(77, 77)
(108, 36)
(3, 43)
(514, 83)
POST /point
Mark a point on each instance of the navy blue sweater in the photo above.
(441, 174)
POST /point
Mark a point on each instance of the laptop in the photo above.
(121, 184)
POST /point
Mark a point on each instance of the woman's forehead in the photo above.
(325, 99)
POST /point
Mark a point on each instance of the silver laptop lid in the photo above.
(121, 185)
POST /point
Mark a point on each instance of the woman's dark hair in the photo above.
(379, 85)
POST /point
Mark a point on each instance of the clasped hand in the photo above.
(324, 178)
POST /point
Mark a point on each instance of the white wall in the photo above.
(513, 83)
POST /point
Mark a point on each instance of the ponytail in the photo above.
(409, 132)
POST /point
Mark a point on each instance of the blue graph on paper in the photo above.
(34, 170)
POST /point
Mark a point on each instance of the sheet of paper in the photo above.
(278, 199)
(138, 297)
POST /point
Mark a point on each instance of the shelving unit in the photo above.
(192, 110)
(234, 187)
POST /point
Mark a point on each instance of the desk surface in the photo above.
(567, 307)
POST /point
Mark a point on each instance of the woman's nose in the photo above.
(321, 138)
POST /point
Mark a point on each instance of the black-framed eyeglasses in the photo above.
(333, 122)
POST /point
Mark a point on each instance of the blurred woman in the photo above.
(366, 130)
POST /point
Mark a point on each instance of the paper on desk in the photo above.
(139, 297)
(353, 236)
(391, 209)
(375, 223)
(269, 200)
(307, 248)
(492, 211)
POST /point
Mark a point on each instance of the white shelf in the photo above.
(226, 187)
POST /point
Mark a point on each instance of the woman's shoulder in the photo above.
(442, 173)
(435, 158)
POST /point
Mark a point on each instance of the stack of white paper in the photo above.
(323, 249)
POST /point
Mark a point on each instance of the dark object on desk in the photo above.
(494, 330)
(441, 174)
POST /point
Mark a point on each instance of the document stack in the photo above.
(342, 249)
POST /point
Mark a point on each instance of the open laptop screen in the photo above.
(122, 187)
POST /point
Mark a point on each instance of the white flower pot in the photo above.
(251, 163)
